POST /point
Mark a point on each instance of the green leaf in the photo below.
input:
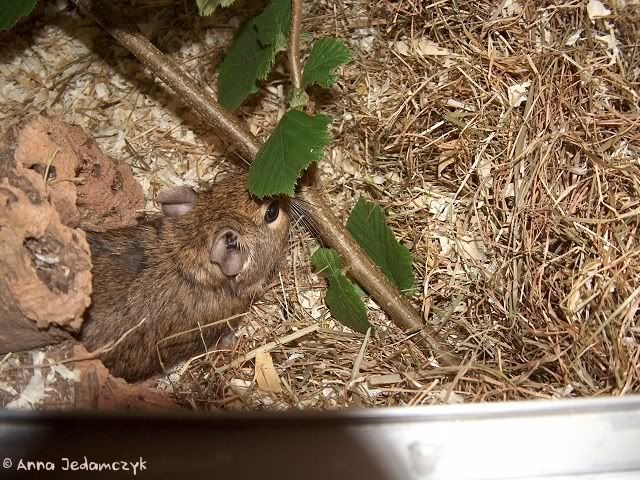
(327, 262)
(244, 64)
(273, 25)
(346, 305)
(252, 54)
(343, 300)
(326, 55)
(208, 7)
(297, 141)
(369, 228)
(12, 10)
(361, 293)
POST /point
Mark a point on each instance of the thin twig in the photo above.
(356, 365)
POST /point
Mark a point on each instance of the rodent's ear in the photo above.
(177, 200)
(227, 254)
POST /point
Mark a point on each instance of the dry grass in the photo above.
(522, 216)
(530, 250)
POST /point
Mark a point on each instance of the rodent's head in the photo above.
(225, 237)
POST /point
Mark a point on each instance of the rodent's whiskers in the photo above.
(301, 216)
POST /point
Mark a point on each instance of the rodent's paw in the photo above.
(228, 341)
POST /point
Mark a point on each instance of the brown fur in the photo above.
(160, 271)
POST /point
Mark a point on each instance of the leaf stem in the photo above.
(294, 44)
(240, 139)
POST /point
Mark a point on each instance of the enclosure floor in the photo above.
(502, 140)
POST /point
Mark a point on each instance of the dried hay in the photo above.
(502, 141)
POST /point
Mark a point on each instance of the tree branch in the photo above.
(333, 233)
(294, 44)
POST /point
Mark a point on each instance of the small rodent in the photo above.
(204, 260)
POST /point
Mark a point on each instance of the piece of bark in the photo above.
(53, 179)
(104, 190)
(45, 278)
(98, 389)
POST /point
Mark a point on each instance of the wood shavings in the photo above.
(518, 93)
(613, 49)
(421, 47)
(429, 48)
(596, 9)
(511, 8)
(471, 248)
(574, 37)
(266, 376)
(311, 301)
(35, 391)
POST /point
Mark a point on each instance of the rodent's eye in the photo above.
(272, 212)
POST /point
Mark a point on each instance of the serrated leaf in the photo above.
(369, 228)
(252, 54)
(346, 305)
(298, 140)
(343, 300)
(273, 24)
(327, 262)
(244, 64)
(12, 10)
(326, 55)
(208, 7)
